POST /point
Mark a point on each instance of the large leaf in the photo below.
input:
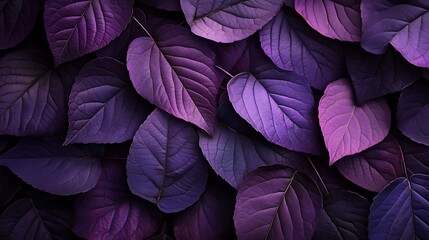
(232, 154)
(335, 19)
(110, 211)
(48, 166)
(415, 156)
(33, 95)
(294, 46)
(376, 167)
(400, 23)
(104, 108)
(277, 203)
(165, 165)
(376, 75)
(175, 71)
(400, 211)
(18, 19)
(228, 21)
(278, 104)
(78, 27)
(412, 112)
(348, 128)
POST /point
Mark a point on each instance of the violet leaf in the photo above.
(415, 156)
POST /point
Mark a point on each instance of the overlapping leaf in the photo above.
(9, 185)
(415, 155)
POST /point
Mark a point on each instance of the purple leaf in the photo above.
(165, 165)
(228, 21)
(374, 76)
(110, 211)
(9, 186)
(18, 19)
(4, 141)
(292, 45)
(77, 27)
(210, 217)
(334, 19)
(277, 203)
(344, 216)
(401, 210)
(175, 71)
(348, 128)
(400, 23)
(279, 105)
(104, 108)
(374, 168)
(412, 112)
(415, 155)
(48, 166)
(169, 5)
(232, 154)
(33, 95)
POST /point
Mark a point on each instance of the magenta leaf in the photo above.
(228, 21)
(334, 19)
(277, 203)
(78, 27)
(401, 210)
(348, 128)
(165, 165)
(175, 71)
(103, 106)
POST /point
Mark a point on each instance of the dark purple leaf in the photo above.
(279, 105)
(228, 21)
(175, 71)
(289, 3)
(426, 73)
(277, 203)
(348, 128)
(33, 95)
(294, 46)
(374, 168)
(18, 18)
(165, 165)
(334, 19)
(400, 23)
(104, 108)
(416, 156)
(9, 186)
(48, 166)
(232, 154)
(169, 5)
(376, 75)
(78, 27)
(110, 211)
(4, 141)
(400, 211)
(412, 113)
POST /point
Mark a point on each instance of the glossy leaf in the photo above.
(348, 128)
(165, 165)
(228, 21)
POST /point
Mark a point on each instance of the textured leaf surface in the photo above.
(376, 75)
(401, 23)
(415, 155)
(279, 105)
(334, 19)
(48, 166)
(401, 209)
(412, 112)
(348, 128)
(78, 27)
(292, 45)
(110, 211)
(229, 20)
(165, 165)
(376, 167)
(277, 203)
(232, 154)
(103, 106)
(175, 71)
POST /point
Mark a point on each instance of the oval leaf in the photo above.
(77, 27)
(277, 203)
(348, 128)
(228, 21)
(401, 209)
(165, 165)
(175, 71)
(104, 108)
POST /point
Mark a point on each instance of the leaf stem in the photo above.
(223, 70)
(318, 175)
(141, 25)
